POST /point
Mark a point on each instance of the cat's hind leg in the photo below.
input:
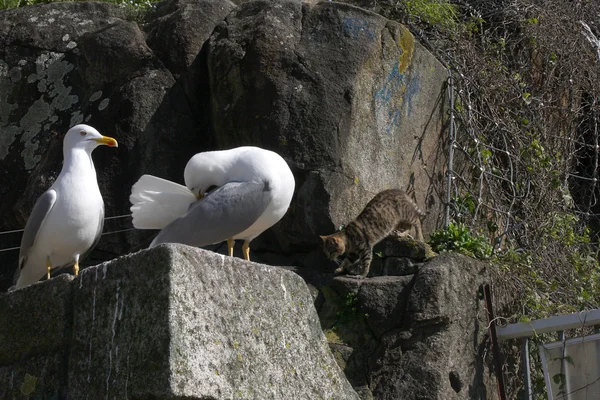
(363, 264)
(419, 231)
(402, 230)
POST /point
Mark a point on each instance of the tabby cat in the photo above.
(389, 211)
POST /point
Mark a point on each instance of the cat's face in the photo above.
(333, 246)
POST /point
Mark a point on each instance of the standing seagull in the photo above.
(66, 221)
(230, 194)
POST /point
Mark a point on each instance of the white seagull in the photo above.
(230, 194)
(66, 221)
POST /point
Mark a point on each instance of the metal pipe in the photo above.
(450, 153)
(527, 395)
(591, 201)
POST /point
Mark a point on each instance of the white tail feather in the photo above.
(157, 202)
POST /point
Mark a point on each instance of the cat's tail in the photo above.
(157, 202)
(422, 214)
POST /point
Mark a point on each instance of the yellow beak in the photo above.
(108, 141)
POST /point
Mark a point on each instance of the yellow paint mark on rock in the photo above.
(356, 180)
(407, 43)
(29, 384)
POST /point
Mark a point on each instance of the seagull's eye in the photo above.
(83, 133)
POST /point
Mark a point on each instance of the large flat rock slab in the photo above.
(173, 322)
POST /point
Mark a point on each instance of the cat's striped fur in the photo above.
(389, 211)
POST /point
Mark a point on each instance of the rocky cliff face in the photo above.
(416, 329)
(349, 98)
(176, 322)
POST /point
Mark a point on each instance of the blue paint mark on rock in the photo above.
(358, 27)
(391, 85)
(395, 99)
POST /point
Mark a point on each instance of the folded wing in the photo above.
(36, 219)
(222, 214)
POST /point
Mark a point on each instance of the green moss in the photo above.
(407, 43)
(342, 320)
(29, 384)
(332, 337)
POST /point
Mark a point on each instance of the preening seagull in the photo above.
(66, 221)
(229, 194)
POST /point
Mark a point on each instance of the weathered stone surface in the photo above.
(347, 96)
(186, 322)
(121, 332)
(37, 377)
(32, 332)
(171, 322)
(399, 266)
(66, 63)
(35, 326)
(412, 337)
(382, 299)
(181, 27)
(385, 299)
(403, 247)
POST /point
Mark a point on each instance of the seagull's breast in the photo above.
(72, 224)
(281, 186)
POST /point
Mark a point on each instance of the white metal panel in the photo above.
(578, 361)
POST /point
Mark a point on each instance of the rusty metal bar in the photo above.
(494, 338)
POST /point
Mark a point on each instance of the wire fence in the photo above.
(103, 234)
(523, 155)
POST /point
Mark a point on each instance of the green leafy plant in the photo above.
(458, 237)
(438, 13)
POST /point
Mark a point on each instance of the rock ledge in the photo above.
(171, 322)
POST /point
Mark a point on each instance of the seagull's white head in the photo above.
(87, 138)
(205, 171)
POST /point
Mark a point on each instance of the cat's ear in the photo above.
(323, 237)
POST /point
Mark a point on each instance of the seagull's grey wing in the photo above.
(38, 215)
(98, 235)
(223, 213)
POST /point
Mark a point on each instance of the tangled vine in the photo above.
(524, 185)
